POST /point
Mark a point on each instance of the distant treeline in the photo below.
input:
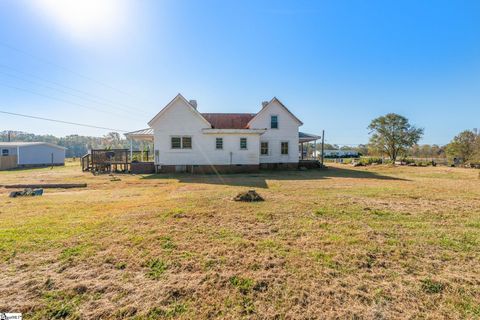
(76, 145)
(464, 148)
(417, 151)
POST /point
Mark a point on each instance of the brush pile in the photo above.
(249, 196)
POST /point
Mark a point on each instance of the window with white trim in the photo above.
(284, 148)
(176, 143)
(186, 142)
(5, 152)
(264, 148)
(219, 143)
(181, 142)
(274, 122)
(243, 143)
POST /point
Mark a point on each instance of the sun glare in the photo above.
(85, 19)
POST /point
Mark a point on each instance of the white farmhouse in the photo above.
(186, 140)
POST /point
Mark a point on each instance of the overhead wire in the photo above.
(60, 99)
(46, 61)
(95, 97)
(65, 92)
(60, 121)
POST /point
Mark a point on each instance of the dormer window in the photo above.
(274, 122)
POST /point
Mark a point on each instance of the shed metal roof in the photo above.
(15, 144)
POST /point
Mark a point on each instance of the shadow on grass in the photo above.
(259, 179)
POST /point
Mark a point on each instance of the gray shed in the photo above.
(30, 154)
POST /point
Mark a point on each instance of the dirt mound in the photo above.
(249, 196)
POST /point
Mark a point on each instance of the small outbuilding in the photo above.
(30, 154)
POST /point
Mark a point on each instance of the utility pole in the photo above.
(9, 132)
(323, 144)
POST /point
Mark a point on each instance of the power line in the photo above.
(62, 91)
(97, 97)
(66, 69)
(59, 99)
(60, 121)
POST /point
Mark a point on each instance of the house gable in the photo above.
(285, 133)
(275, 103)
(274, 107)
(178, 102)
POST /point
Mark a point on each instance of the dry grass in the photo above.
(366, 243)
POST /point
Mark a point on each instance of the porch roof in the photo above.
(141, 135)
(307, 137)
(147, 134)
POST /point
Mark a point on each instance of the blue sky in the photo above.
(336, 64)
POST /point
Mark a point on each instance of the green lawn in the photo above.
(357, 243)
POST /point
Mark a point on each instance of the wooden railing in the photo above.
(101, 160)
(85, 161)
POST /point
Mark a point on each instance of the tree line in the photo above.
(393, 136)
(76, 145)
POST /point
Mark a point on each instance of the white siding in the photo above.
(287, 132)
(181, 120)
(40, 154)
(12, 151)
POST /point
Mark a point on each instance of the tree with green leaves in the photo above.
(465, 146)
(393, 135)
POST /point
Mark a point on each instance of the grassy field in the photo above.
(358, 243)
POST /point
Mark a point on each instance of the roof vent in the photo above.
(264, 104)
(194, 104)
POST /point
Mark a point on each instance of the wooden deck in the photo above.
(116, 160)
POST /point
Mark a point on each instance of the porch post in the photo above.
(131, 149)
(323, 144)
(141, 146)
(315, 150)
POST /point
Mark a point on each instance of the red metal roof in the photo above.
(229, 120)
